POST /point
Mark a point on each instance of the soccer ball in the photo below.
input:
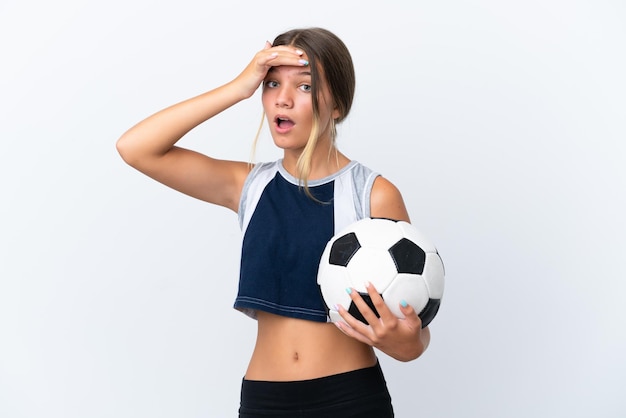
(396, 258)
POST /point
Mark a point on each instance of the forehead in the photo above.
(289, 71)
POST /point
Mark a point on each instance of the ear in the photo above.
(336, 113)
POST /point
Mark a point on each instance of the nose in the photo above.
(283, 98)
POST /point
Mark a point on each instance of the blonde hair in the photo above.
(303, 165)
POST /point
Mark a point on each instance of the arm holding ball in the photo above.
(402, 339)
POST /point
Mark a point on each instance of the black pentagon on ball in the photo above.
(430, 310)
(408, 257)
(343, 249)
(354, 311)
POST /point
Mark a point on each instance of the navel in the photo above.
(295, 356)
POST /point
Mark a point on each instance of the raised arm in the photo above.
(150, 146)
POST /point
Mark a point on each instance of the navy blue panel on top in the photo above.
(281, 250)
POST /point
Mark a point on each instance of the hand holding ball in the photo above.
(397, 259)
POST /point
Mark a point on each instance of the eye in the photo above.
(306, 88)
(271, 84)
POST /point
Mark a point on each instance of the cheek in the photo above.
(305, 101)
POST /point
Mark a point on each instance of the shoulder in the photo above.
(386, 201)
(254, 184)
(260, 171)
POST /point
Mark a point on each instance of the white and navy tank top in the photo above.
(285, 232)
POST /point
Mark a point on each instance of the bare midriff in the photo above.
(294, 349)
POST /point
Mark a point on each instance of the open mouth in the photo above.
(284, 123)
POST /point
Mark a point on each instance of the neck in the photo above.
(325, 162)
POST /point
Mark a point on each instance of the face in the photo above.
(289, 108)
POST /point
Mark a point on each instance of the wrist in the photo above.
(243, 87)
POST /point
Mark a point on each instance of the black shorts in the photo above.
(359, 393)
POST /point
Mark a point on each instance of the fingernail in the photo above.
(403, 303)
(299, 52)
(274, 54)
(348, 290)
(303, 62)
(367, 284)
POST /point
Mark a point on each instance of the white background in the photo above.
(502, 122)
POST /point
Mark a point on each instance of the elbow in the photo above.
(125, 150)
(424, 342)
(413, 354)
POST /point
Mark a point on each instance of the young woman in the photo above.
(302, 365)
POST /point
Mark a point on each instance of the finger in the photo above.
(286, 49)
(293, 60)
(368, 314)
(350, 332)
(349, 319)
(276, 59)
(356, 324)
(383, 310)
(410, 315)
(352, 326)
(283, 49)
(268, 45)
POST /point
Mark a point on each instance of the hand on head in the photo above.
(270, 56)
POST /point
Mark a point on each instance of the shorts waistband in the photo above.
(311, 393)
